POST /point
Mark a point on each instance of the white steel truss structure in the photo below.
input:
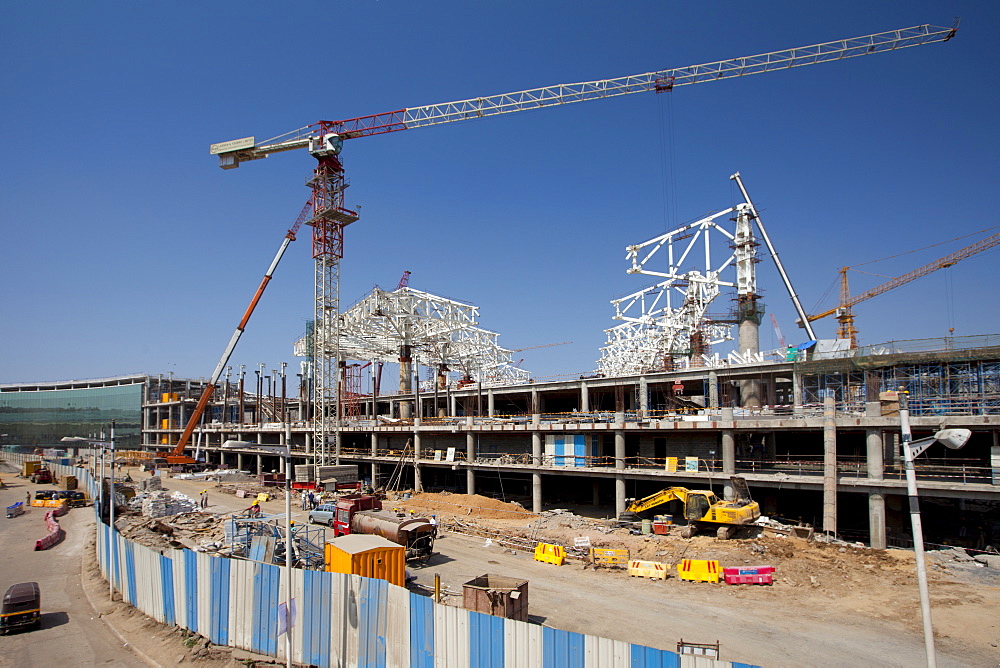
(669, 321)
(437, 331)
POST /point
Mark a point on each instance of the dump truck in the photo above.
(703, 509)
(41, 476)
(363, 513)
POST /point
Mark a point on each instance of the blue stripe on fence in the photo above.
(648, 657)
(421, 632)
(219, 624)
(371, 608)
(315, 615)
(264, 634)
(167, 589)
(130, 571)
(486, 640)
(191, 589)
(562, 649)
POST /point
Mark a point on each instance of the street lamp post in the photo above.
(951, 438)
(105, 446)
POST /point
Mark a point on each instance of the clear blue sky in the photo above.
(128, 250)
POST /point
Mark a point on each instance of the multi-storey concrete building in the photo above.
(828, 424)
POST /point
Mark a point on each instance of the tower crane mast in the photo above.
(324, 140)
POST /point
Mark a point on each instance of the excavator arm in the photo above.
(658, 499)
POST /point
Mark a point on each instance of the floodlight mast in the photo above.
(324, 140)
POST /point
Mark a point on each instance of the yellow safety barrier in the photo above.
(700, 570)
(608, 558)
(48, 503)
(550, 554)
(647, 569)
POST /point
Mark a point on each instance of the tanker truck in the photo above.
(362, 513)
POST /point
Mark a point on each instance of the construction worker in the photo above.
(434, 525)
(254, 510)
(305, 500)
(204, 498)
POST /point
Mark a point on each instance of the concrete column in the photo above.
(584, 397)
(643, 397)
(619, 478)
(490, 403)
(281, 465)
(728, 461)
(829, 464)
(713, 390)
(796, 393)
(995, 457)
(374, 463)
(239, 461)
(453, 404)
(418, 483)
(536, 478)
(876, 500)
(260, 464)
(470, 457)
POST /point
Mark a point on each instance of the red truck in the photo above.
(363, 513)
(40, 476)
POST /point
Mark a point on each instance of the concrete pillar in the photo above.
(260, 464)
(453, 404)
(536, 478)
(876, 500)
(374, 463)
(490, 403)
(239, 461)
(405, 380)
(643, 397)
(470, 457)
(619, 478)
(829, 464)
(281, 465)
(418, 483)
(728, 461)
(584, 397)
(713, 390)
(796, 393)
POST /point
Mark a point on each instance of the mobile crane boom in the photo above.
(232, 153)
(177, 456)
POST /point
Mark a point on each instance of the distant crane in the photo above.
(404, 280)
(844, 311)
(544, 345)
(325, 139)
(777, 330)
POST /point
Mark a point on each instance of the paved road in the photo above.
(71, 633)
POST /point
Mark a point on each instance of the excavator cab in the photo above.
(698, 505)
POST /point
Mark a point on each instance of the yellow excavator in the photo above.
(703, 509)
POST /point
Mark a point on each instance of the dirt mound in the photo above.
(463, 506)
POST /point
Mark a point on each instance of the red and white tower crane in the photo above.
(325, 139)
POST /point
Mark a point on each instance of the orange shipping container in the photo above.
(368, 556)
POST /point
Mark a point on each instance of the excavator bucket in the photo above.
(740, 488)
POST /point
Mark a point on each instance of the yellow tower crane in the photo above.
(844, 311)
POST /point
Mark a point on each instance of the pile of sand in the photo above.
(471, 506)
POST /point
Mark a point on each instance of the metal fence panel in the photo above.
(522, 644)
(451, 637)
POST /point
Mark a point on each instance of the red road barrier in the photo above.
(749, 575)
(56, 533)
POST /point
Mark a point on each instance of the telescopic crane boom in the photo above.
(177, 456)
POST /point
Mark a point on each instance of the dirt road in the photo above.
(71, 632)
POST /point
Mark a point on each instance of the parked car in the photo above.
(323, 514)
(22, 607)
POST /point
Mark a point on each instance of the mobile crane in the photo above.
(324, 140)
(703, 509)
